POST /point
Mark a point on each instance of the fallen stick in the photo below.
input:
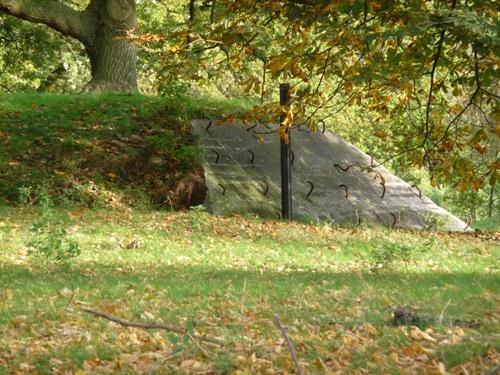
(152, 325)
(282, 328)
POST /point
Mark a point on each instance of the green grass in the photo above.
(492, 223)
(110, 150)
(227, 277)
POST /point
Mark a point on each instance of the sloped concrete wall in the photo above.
(331, 180)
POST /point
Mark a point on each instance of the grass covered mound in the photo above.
(113, 150)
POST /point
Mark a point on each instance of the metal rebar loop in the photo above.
(395, 219)
(371, 160)
(217, 156)
(266, 190)
(341, 169)
(209, 125)
(223, 189)
(358, 218)
(252, 157)
(419, 191)
(324, 126)
(310, 189)
(346, 190)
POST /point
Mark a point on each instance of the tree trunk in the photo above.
(113, 59)
(102, 27)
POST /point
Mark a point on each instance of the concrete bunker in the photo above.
(333, 181)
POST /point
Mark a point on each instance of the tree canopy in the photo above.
(416, 79)
(421, 75)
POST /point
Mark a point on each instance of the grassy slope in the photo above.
(116, 150)
(98, 150)
(333, 288)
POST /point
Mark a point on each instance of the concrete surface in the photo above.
(242, 172)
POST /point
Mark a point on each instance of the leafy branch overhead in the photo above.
(424, 72)
(420, 76)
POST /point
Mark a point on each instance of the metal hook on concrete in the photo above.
(469, 222)
(223, 189)
(293, 157)
(217, 156)
(253, 156)
(382, 182)
(324, 126)
(346, 190)
(358, 219)
(310, 190)
(383, 191)
(371, 160)
(419, 191)
(380, 219)
(341, 169)
(209, 125)
(395, 219)
(266, 190)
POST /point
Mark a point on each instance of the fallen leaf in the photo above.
(66, 292)
(371, 330)
(417, 334)
(379, 359)
(394, 357)
(441, 368)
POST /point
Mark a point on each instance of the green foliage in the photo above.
(419, 76)
(388, 252)
(34, 57)
(491, 223)
(50, 241)
(163, 143)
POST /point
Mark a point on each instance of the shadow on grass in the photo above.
(188, 287)
(92, 275)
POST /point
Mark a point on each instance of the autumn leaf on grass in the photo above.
(371, 330)
(417, 334)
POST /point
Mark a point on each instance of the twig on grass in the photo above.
(243, 297)
(282, 328)
(71, 298)
(441, 316)
(198, 345)
(151, 325)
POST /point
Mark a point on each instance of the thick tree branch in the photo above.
(60, 17)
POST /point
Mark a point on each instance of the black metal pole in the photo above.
(286, 170)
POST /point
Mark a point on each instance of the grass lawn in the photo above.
(334, 289)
